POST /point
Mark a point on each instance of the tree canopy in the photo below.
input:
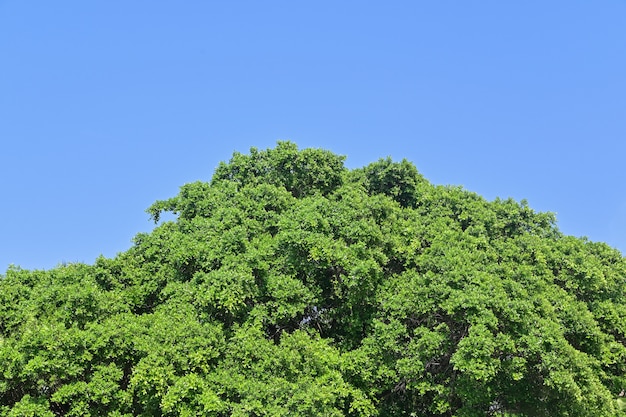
(289, 285)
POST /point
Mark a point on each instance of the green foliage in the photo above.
(302, 173)
(400, 181)
(291, 286)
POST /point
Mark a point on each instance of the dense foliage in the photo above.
(292, 286)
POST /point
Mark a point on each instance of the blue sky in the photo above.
(108, 106)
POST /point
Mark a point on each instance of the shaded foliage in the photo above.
(291, 286)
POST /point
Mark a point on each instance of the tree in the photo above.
(290, 285)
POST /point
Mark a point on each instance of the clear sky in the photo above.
(108, 106)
